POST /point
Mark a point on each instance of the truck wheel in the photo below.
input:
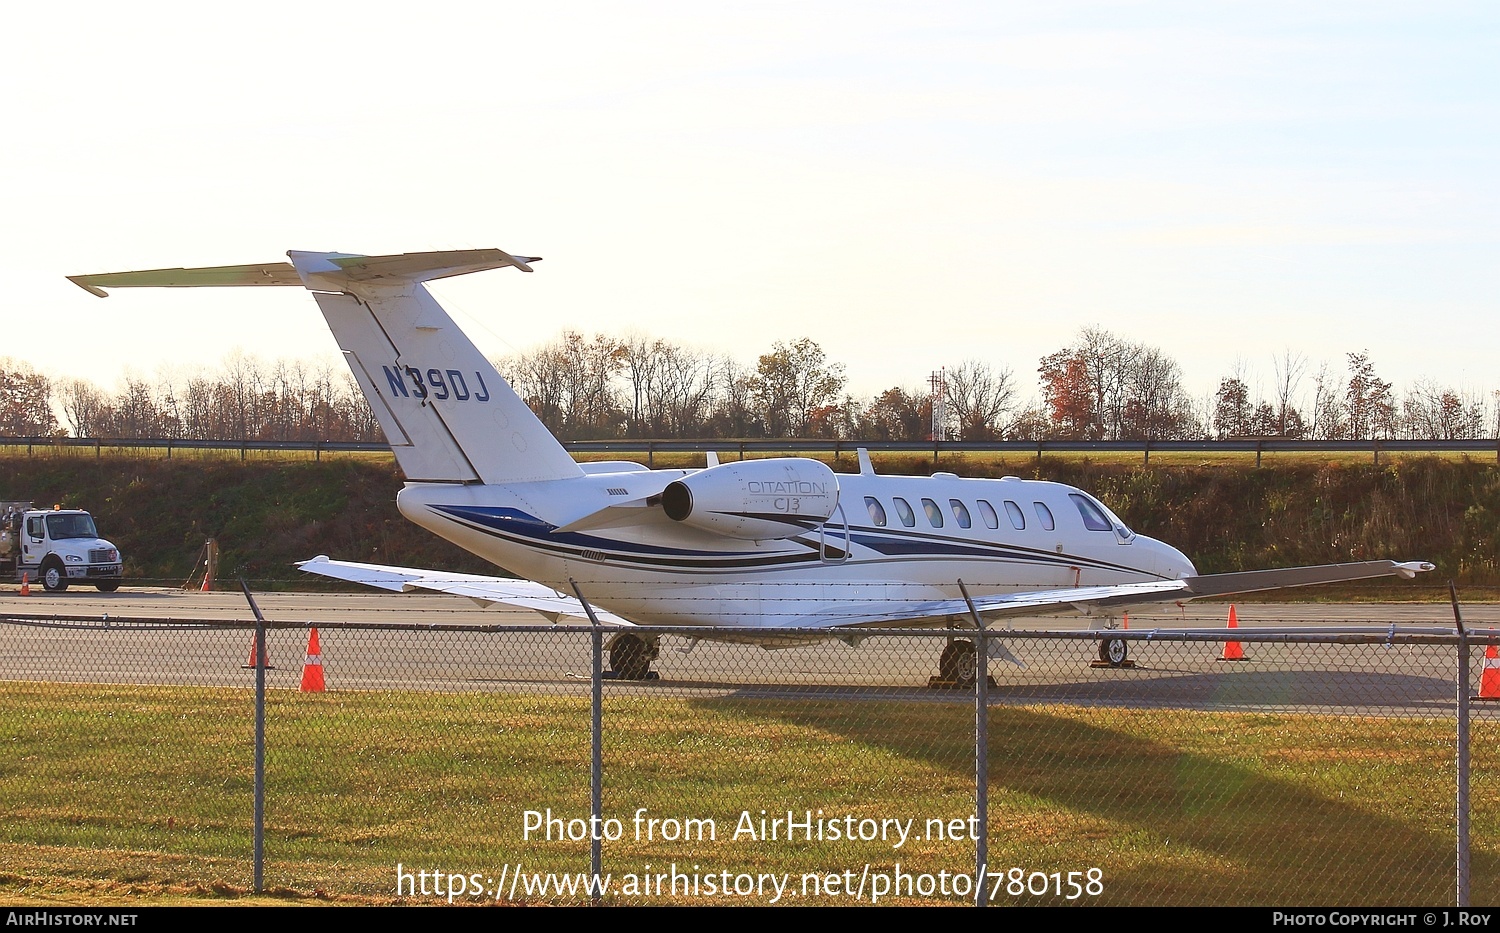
(54, 577)
(108, 586)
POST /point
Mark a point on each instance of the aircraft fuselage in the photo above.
(891, 541)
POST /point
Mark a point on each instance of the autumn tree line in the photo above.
(1099, 387)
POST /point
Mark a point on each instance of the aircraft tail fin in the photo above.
(448, 414)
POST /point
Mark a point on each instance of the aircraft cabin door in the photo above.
(834, 554)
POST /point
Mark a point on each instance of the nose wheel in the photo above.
(1114, 652)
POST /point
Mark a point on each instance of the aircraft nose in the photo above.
(1172, 564)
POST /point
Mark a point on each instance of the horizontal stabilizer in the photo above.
(418, 267)
(522, 594)
(266, 273)
(346, 267)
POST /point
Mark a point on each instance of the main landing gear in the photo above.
(630, 657)
(959, 664)
(958, 667)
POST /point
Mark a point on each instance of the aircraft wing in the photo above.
(1089, 600)
(484, 590)
(1100, 600)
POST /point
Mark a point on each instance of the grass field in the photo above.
(143, 795)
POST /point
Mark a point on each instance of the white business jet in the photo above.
(781, 544)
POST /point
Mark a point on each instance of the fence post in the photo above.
(1462, 802)
(981, 753)
(596, 743)
(259, 844)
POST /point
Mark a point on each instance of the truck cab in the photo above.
(58, 547)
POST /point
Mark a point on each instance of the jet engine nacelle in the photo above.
(755, 499)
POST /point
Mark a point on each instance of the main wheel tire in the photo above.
(1113, 651)
(108, 586)
(959, 663)
(630, 657)
(54, 577)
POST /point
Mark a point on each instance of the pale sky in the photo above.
(909, 184)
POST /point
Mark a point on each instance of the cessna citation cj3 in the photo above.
(779, 543)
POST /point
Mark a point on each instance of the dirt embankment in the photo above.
(266, 515)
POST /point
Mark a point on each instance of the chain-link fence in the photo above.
(453, 763)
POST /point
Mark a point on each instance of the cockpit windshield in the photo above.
(1121, 528)
(1098, 517)
(71, 525)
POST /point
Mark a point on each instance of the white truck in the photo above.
(55, 547)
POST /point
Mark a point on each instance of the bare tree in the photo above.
(1432, 413)
(1328, 420)
(978, 396)
(84, 405)
(1289, 368)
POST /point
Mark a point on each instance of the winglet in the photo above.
(1411, 568)
(91, 289)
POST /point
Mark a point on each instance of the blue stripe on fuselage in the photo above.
(516, 522)
(528, 530)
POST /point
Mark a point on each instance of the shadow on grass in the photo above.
(1283, 810)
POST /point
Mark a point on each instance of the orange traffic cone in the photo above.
(1489, 679)
(208, 582)
(25, 584)
(1232, 649)
(312, 669)
(250, 664)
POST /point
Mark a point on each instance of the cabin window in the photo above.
(1044, 515)
(1093, 519)
(877, 511)
(1017, 517)
(987, 512)
(903, 509)
(934, 514)
(960, 513)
